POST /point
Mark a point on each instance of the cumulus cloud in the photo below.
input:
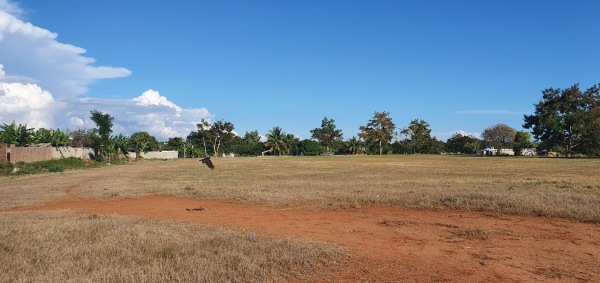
(150, 112)
(161, 118)
(152, 97)
(25, 102)
(33, 55)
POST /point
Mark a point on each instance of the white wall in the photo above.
(170, 154)
(67, 151)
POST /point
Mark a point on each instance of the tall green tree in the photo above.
(276, 141)
(402, 146)
(419, 137)
(199, 142)
(19, 135)
(249, 145)
(499, 136)
(104, 123)
(561, 118)
(327, 135)
(216, 134)
(176, 144)
(590, 141)
(142, 142)
(522, 141)
(292, 142)
(463, 144)
(309, 148)
(101, 136)
(379, 131)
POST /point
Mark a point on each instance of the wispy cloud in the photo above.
(490, 112)
(33, 54)
(11, 8)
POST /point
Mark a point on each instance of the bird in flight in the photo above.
(208, 163)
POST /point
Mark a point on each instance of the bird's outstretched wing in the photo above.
(208, 163)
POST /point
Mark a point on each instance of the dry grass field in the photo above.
(62, 247)
(299, 218)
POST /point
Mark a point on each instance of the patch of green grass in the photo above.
(54, 165)
(5, 167)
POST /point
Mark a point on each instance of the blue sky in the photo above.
(161, 66)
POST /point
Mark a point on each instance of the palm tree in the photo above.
(276, 140)
(352, 145)
(291, 143)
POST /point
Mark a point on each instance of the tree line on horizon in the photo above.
(566, 121)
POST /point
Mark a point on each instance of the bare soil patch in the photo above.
(389, 243)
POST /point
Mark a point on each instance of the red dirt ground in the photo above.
(388, 243)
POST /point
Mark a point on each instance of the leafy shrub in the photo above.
(56, 168)
(5, 167)
(54, 165)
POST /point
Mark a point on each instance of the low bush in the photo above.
(5, 167)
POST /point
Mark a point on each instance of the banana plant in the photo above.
(19, 135)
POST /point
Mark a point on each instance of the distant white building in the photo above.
(529, 152)
(507, 151)
(494, 151)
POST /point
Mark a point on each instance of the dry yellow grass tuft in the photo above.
(63, 247)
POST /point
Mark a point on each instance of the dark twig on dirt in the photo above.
(195, 209)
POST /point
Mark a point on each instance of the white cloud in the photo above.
(152, 97)
(160, 118)
(25, 102)
(150, 112)
(10, 8)
(34, 55)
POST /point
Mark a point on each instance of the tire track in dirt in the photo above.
(388, 243)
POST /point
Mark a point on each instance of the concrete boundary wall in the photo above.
(168, 154)
(8, 152)
(67, 151)
(30, 154)
(13, 154)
